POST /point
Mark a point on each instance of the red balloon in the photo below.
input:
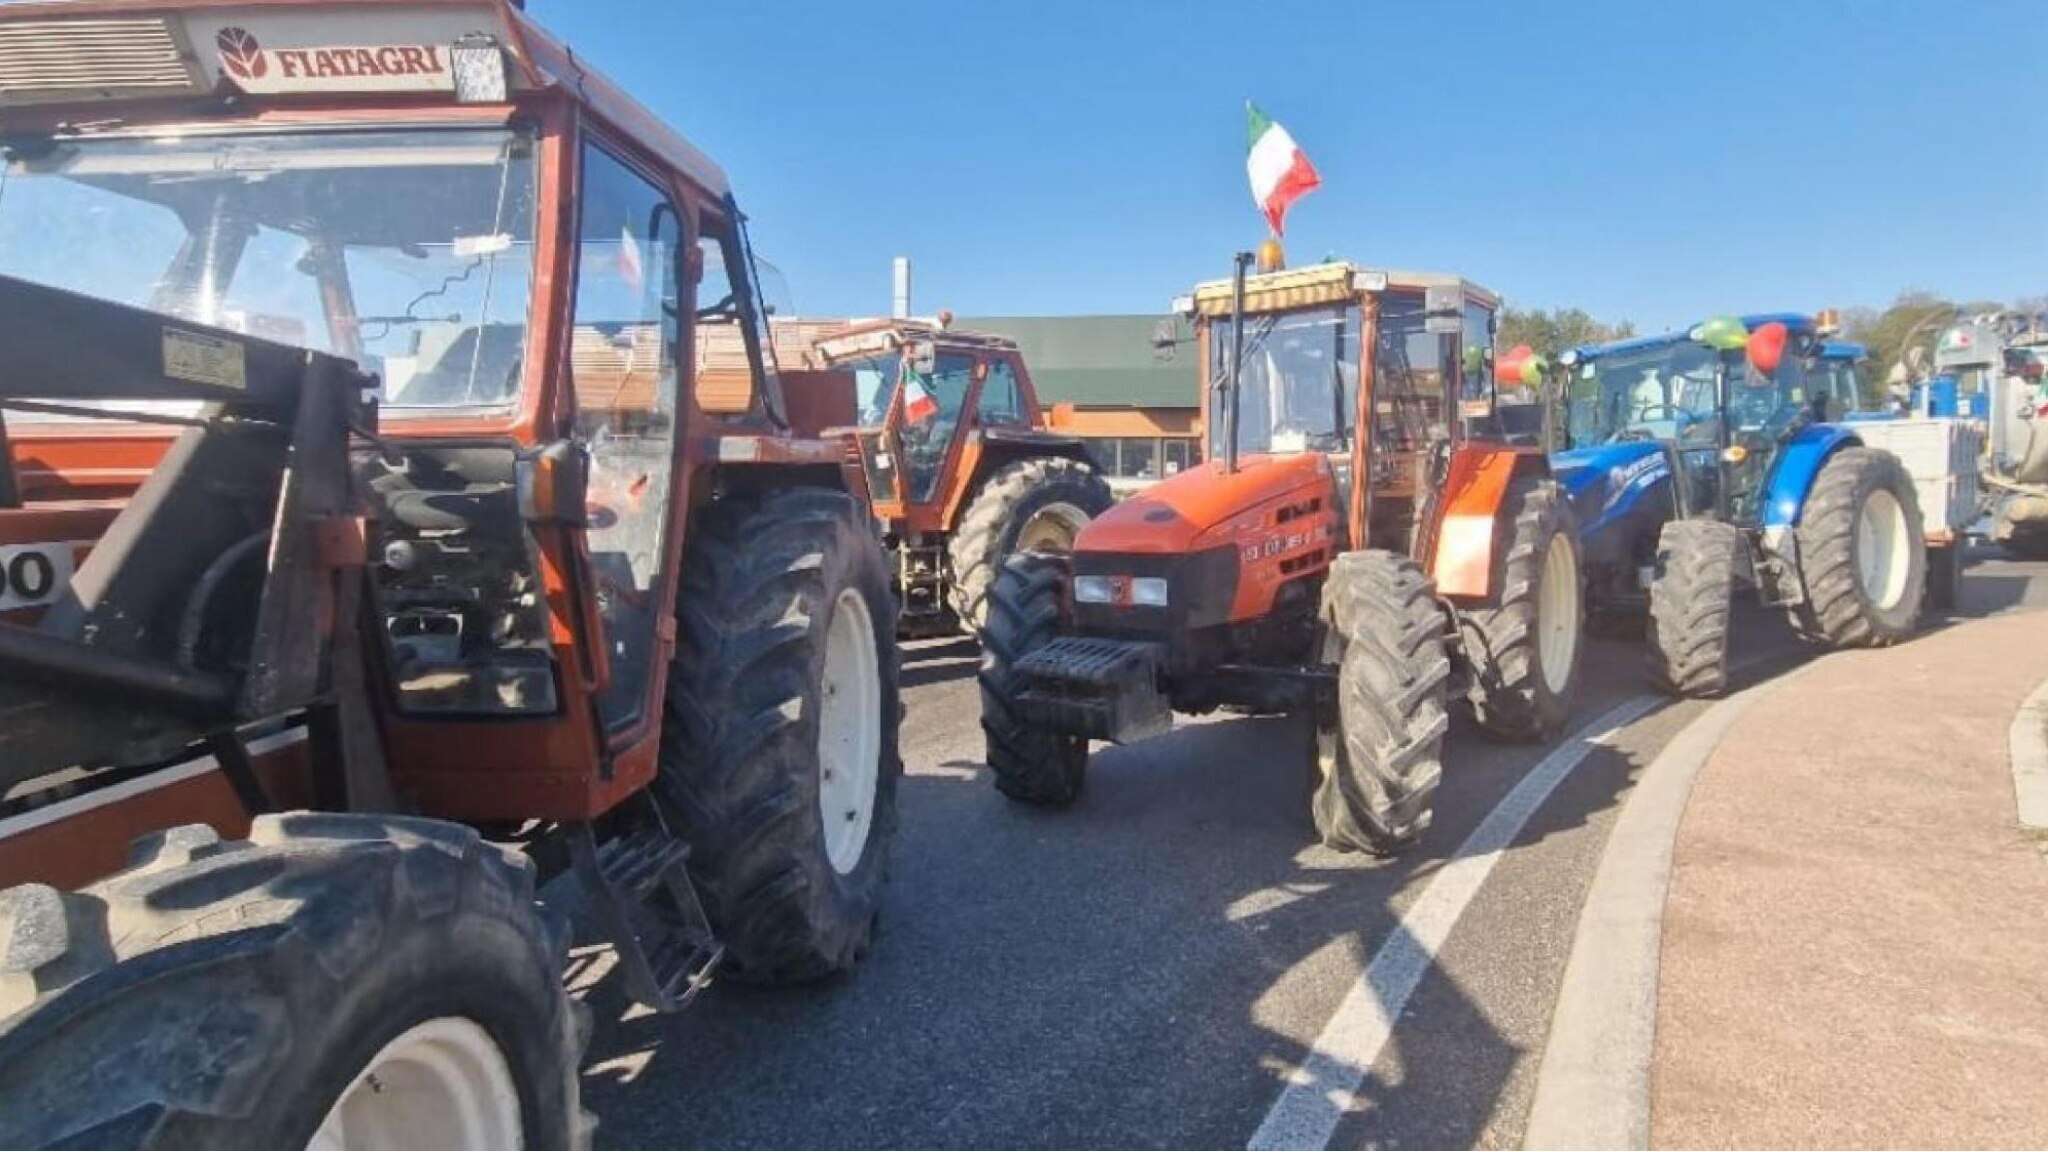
(1510, 366)
(1767, 347)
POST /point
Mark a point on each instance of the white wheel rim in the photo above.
(1557, 615)
(1052, 529)
(440, 1084)
(1882, 559)
(849, 731)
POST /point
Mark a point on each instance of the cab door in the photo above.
(625, 326)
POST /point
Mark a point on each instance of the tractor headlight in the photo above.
(1092, 590)
(1141, 591)
(1149, 591)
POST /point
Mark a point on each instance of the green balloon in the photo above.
(1534, 369)
(1726, 333)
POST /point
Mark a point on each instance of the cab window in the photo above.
(999, 403)
(931, 411)
(623, 367)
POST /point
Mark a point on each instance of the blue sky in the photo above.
(1647, 161)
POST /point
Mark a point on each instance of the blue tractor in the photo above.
(1705, 461)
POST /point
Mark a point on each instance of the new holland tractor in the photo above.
(376, 545)
(1349, 554)
(960, 467)
(1702, 462)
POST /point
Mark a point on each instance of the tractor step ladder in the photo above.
(641, 885)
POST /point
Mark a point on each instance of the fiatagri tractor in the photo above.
(1701, 461)
(1348, 554)
(378, 541)
(959, 465)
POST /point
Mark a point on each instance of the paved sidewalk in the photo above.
(1855, 947)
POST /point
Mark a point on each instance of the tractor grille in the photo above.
(51, 60)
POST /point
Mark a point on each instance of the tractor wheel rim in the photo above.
(1882, 559)
(1052, 529)
(849, 731)
(443, 1083)
(1557, 615)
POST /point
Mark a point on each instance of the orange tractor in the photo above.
(959, 464)
(1351, 552)
(377, 539)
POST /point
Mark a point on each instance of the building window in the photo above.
(1176, 456)
(1140, 458)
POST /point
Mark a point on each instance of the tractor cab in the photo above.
(927, 400)
(1712, 406)
(1371, 372)
(959, 465)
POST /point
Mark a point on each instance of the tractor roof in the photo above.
(61, 58)
(1843, 350)
(1793, 321)
(1319, 284)
(866, 338)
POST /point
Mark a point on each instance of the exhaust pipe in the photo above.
(1243, 260)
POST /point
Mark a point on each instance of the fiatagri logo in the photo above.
(241, 55)
(338, 68)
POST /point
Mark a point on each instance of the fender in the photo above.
(1475, 486)
(1793, 473)
(1617, 491)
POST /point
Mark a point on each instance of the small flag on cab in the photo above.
(1279, 169)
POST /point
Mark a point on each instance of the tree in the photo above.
(1550, 333)
(1914, 320)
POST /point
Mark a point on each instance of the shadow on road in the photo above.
(935, 662)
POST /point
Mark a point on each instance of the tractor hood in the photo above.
(1605, 481)
(1204, 505)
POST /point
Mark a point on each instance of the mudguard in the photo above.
(1617, 492)
(1474, 488)
(1793, 473)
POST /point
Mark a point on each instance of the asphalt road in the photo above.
(1147, 968)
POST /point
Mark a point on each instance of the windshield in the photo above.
(1300, 374)
(1662, 392)
(874, 381)
(409, 252)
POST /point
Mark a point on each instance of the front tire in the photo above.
(334, 981)
(1033, 505)
(1028, 607)
(779, 757)
(1380, 756)
(1691, 595)
(1524, 646)
(1861, 553)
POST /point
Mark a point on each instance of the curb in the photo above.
(1593, 1086)
(2027, 746)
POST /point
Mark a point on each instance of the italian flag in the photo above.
(1280, 171)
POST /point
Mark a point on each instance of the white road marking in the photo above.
(1325, 1086)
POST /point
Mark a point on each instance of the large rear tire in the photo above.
(1524, 647)
(1691, 595)
(1028, 606)
(779, 756)
(334, 981)
(1861, 552)
(1034, 505)
(1380, 756)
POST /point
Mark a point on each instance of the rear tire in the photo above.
(1524, 647)
(1380, 756)
(1028, 607)
(1690, 598)
(775, 587)
(1033, 505)
(1860, 552)
(236, 995)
